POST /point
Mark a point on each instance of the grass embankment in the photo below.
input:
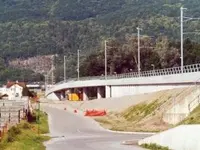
(154, 147)
(135, 118)
(24, 136)
(193, 118)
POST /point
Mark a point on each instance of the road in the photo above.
(74, 132)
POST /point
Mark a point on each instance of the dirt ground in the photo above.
(122, 103)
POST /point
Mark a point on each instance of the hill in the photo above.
(32, 27)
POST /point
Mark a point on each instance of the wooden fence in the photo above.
(11, 113)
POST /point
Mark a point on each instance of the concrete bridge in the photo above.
(127, 84)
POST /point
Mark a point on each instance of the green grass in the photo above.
(154, 147)
(24, 136)
(138, 112)
(129, 119)
(193, 118)
(43, 122)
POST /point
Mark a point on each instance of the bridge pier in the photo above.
(107, 91)
(99, 92)
(85, 94)
(62, 95)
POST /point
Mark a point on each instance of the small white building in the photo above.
(14, 90)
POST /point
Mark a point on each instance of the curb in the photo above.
(130, 142)
(141, 133)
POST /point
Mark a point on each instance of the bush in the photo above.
(31, 117)
(154, 147)
(12, 133)
(14, 130)
(26, 125)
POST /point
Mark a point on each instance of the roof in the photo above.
(4, 95)
(10, 83)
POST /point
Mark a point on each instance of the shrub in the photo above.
(14, 130)
(154, 147)
(26, 125)
(31, 117)
(12, 133)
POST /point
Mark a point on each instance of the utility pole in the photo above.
(65, 68)
(78, 63)
(52, 69)
(182, 39)
(45, 82)
(105, 59)
(182, 61)
(153, 66)
(139, 68)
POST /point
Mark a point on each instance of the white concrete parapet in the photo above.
(184, 137)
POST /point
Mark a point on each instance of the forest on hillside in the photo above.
(32, 27)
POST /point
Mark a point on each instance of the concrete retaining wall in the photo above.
(182, 109)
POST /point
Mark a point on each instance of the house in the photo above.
(16, 90)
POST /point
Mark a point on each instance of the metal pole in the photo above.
(64, 68)
(52, 67)
(45, 82)
(182, 63)
(139, 68)
(38, 117)
(105, 59)
(78, 63)
(153, 66)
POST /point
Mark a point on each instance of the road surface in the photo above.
(74, 132)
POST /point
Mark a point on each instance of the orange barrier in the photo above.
(95, 113)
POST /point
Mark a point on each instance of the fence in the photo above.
(11, 113)
(194, 103)
(158, 72)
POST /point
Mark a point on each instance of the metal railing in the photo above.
(150, 73)
(194, 103)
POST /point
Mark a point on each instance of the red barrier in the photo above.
(95, 113)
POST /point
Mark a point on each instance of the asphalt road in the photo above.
(75, 132)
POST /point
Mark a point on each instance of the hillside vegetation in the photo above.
(32, 27)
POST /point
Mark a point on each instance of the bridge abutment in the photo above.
(53, 96)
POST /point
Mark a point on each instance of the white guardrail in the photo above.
(159, 72)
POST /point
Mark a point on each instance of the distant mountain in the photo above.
(43, 27)
(60, 9)
(35, 27)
